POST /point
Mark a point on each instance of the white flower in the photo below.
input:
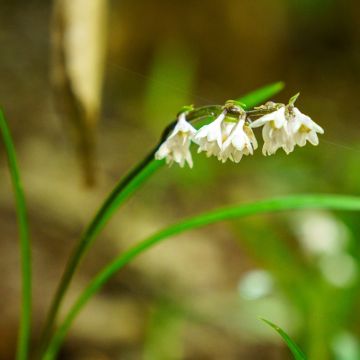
(275, 132)
(303, 129)
(285, 128)
(241, 141)
(176, 148)
(210, 137)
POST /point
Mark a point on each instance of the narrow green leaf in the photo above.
(123, 190)
(293, 99)
(295, 350)
(334, 202)
(260, 95)
(25, 248)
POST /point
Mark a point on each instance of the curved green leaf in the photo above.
(123, 190)
(286, 203)
(258, 96)
(25, 248)
(295, 350)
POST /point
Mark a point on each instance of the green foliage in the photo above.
(258, 96)
(25, 249)
(164, 333)
(123, 190)
(293, 99)
(295, 350)
(287, 203)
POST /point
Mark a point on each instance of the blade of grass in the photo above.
(258, 96)
(333, 202)
(123, 190)
(295, 350)
(25, 247)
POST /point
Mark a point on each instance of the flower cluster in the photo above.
(230, 135)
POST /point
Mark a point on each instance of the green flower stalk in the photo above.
(25, 246)
(225, 132)
(128, 185)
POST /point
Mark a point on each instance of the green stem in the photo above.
(288, 203)
(127, 186)
(122, 191)
(25, 249)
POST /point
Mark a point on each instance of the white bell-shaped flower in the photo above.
(275, 132)
(303, 129)
(241, 141)
(176, 148)
(210, 137)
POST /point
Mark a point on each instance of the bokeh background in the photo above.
(84, 109)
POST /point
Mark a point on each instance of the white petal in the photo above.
(212, 131)
(262, 120)
(251, 136)
(278, 117)
(313, 138)
(182, 126)
(238, 143)
(294, 125)
(162, 152)
(266, 132)
(176, 148)
(300, 138)
(307, 121)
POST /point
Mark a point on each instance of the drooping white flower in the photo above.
(176, 148)
(210, 137)
(303, 129)
(275, 132)
(241, 141)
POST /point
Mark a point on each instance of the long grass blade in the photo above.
(25, 247)
(260, 95)
(333, 202)
(124, 189)
(295, 350)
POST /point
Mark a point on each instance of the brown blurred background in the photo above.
(197, 296)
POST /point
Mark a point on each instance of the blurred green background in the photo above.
(200, 295)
